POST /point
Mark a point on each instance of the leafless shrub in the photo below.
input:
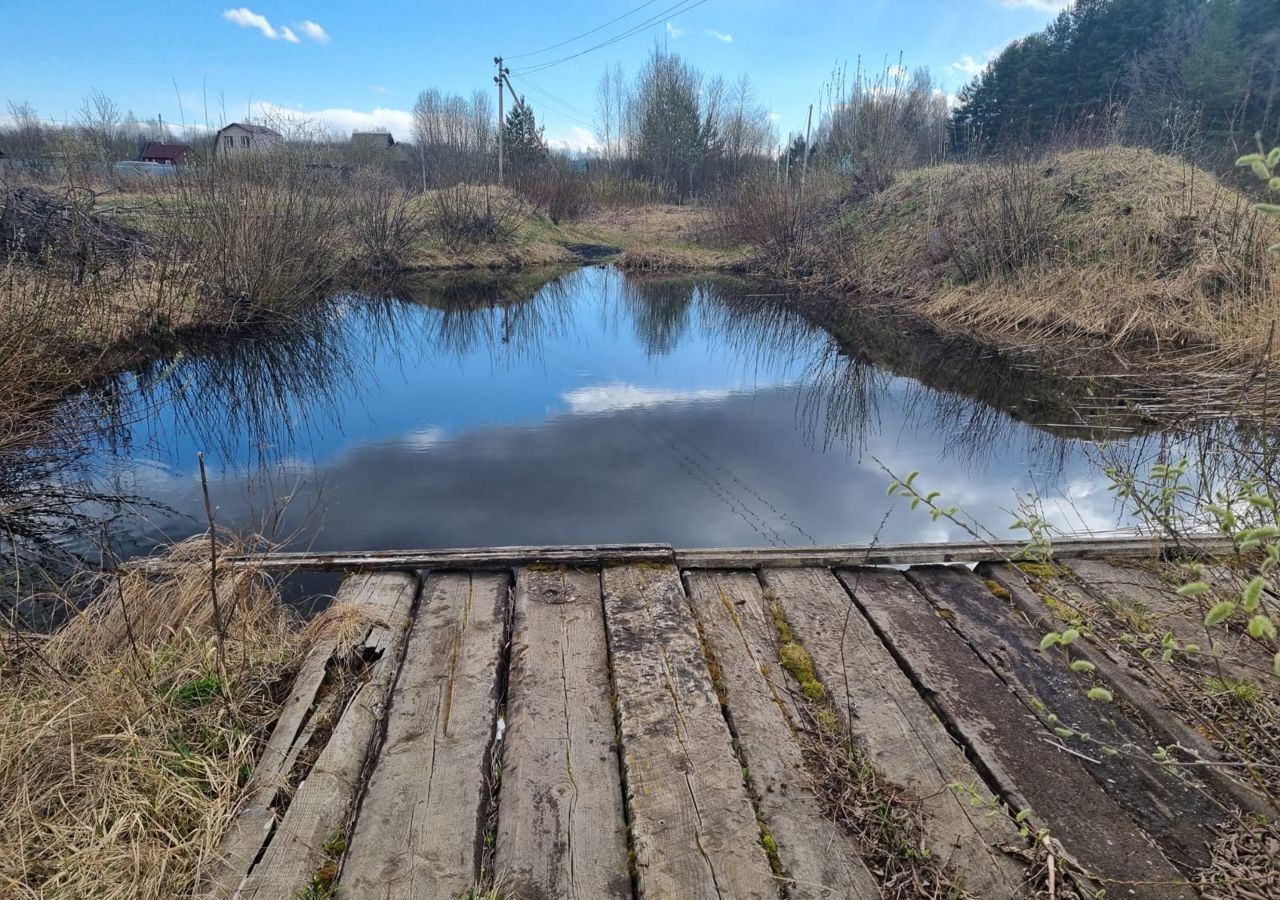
(64, 230)
(1008, 223)
(553, 188)
(260, 236)
(465, 215)
(386, 220)
(762, 211)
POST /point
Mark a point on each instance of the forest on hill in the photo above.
(1194, 77)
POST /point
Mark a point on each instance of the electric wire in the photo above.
(625, 15)
(670, 12)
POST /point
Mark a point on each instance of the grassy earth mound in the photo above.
(1118, 246)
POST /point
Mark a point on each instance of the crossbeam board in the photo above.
(501, 558)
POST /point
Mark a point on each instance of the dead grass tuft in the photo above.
(124, 744)
(1243, 864)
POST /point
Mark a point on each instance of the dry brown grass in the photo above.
(126, 736)
(1116, 246)
(660, 238)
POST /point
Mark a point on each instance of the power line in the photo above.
(631, 12)
(559, 104)
(670, 12)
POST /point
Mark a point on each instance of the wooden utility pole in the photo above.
(499, 79)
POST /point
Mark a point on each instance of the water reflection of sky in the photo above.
(600, 411)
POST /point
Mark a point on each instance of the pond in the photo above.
(591, 409)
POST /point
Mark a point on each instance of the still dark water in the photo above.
(593, 409)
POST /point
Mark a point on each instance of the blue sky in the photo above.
(361, 65)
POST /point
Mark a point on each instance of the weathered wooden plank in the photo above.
(466, 558)
(693, 829)
(561, 822)
(419, 833)
(922, 553)
(1159, 711)
(322, 804)
(255, 819)
(818, 860)
(1177, 814)
(1029, 769)
(730, 558)
(900, 735)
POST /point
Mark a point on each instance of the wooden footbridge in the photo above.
(618, 722)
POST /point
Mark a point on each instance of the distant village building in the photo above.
(165, 154)
(239, 139)
(378, 139)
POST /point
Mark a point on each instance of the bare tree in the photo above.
(454, 136)
(101, 126)
(26, 137)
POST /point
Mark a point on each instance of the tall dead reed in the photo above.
(124, 745)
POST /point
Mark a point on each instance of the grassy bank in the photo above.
(127, 735)
(1115, 247)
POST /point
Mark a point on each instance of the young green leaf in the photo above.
(1102, 695)
(1193, 589)
(1249, 159)
(1275, 665)
(1050, 639)
(1069, 636)
(1082, 665)
(1063, 733)
(1219, 611)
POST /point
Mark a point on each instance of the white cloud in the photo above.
(247, 18)
(773, 117)
(674, 32)
(968, 65)
(896, 72)
(425, 438)
(579, 140)
(314, 31)
(720, 36)
(397, 121)
(380, 89)
(614, 397)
